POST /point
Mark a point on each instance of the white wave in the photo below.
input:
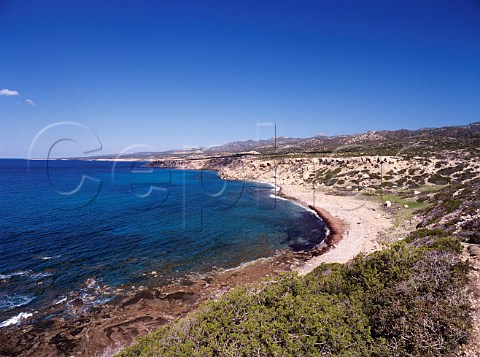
(38, 276)
(28, 273)
(327, 231)
(280, 198)
(17, 273)
(12, 301)
(59, 301)
(46, 257)
(16, 319)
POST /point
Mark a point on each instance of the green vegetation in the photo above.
(402, 198)
(455, 209)
(405, 300)
(411, 203)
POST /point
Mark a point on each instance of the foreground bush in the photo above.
(407, 300)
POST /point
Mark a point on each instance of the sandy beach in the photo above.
(355, 221)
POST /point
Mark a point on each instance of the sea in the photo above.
(69, 225)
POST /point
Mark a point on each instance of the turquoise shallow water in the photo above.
(64, 222)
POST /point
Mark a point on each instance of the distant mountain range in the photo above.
(384, 142)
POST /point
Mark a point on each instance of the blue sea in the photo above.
(67, 225)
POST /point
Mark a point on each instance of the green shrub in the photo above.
(447, 244)
(406, 300)
(425, 232)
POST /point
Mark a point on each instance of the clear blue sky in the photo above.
(178, 73)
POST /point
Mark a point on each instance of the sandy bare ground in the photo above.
(363, 221)
(471, 254)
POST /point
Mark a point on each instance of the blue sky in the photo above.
(169, 74)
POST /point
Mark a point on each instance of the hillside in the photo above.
(375, 142)
(385, 142)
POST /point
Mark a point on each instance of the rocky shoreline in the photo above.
(103, 330)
